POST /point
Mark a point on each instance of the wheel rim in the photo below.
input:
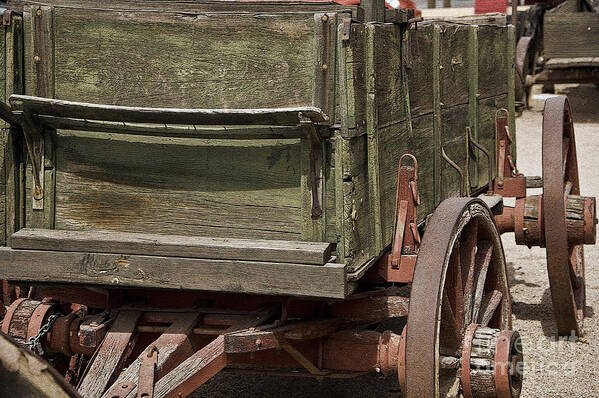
(459, 280)
(565, 263)
(522, 66)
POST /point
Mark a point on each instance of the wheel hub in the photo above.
(492, 363)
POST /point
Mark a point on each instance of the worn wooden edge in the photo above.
(437, 122)
(26, 374)
(473, 94)
(201, 6)
(81, 110)
(118, 270)
(372, 130)
(316, 253)
(511, 85)
(178, 131)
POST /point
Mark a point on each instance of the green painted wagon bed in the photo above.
(191, 186)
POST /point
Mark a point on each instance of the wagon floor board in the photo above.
(120, 270)
(173, 245)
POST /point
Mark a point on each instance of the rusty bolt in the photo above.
(37, 59)
(125, 385)
(500, 183)
(258, 342)
(325, 18)
(38, 12)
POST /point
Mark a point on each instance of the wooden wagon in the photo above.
(193, 186)
(562, 48)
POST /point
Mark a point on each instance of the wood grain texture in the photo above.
(172, 245)
(172, 345)
(230, 60)
(194, 371)
(326, 281)
(113, 113)
(109, 354)
(571, 35)
(23, 373)
(239, 189)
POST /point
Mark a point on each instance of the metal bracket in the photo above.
(398, 265)
(484, 150)
(458, 169)
(508, 182)
(147, 372)
(121, 390)
(34, 140)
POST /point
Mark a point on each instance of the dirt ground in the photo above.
(553, 368)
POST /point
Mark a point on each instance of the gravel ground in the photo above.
(553, 368)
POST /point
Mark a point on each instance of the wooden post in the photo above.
(373, 138)
(511, 82)
(431, 4)
(437, 127)
(473, 95)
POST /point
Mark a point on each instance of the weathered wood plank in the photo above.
(201, 7)
(372, 129)
(224, 188)
(253, 60)
(571, 35)
(210, 117)
(172, 245)
(109, 355)
(25, 374)
(180, 131)
(472, 62)
(173, 347)
(195, 370)
(326, 281)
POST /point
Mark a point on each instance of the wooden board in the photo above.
(571, 35)
(158, 272)
(173, 245)
(239, 189)
(190, 61)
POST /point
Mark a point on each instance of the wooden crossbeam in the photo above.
(194, 371)
(110, 354)
(81, 110)
(317, 253)
(173, 346)
(107, 269)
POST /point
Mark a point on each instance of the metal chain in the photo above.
(33, 343)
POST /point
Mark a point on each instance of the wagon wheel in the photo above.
(459, 297)
(523, 67)
(565, 262)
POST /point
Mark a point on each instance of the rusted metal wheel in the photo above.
(460, 290)
(523, 67)
(565, 262)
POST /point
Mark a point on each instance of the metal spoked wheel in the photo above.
(460, 299)
(565, 262)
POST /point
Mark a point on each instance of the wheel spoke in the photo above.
(483, 259)
(488, 307)
(450, 336)
(467, 256)
(453, 286)
(565, 150)
(573, 268)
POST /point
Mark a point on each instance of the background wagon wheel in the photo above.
(459, 293)
(524, 67)
(565, 262)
